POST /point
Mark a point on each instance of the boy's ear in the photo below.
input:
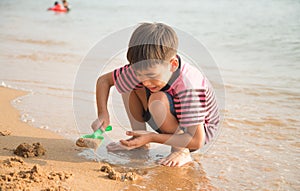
(174, 64)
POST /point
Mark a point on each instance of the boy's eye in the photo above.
(145, 76)
(152, 76)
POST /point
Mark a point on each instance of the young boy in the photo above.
(173, 97)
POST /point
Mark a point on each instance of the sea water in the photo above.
(256, 46)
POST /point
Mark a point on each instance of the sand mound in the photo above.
(118, 175)
(26, 150)
(88, 143)
(17, 175)
(5, 133)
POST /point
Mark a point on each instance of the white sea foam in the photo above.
(18, 100)
(27, 118)
(3, 84)
(44, 127)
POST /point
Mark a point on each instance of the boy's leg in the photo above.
(135, 103)
(159, 107)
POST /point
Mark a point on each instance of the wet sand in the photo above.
(62, 168)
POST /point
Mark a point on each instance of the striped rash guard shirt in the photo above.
(193, 96)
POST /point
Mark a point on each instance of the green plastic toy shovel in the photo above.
(97, 134)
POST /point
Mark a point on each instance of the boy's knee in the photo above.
(158, 96)
(158, 102)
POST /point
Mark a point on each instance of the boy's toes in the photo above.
(173, 164)
(162, 161)
(167, 162)
(175, 159)
(170, 163)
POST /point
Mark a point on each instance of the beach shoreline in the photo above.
(61, 154)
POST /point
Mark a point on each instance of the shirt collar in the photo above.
(174, 76)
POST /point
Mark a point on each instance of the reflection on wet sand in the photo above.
(135, 158)
(191, 176)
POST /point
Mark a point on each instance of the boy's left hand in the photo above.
(139, 138)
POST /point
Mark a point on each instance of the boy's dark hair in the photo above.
(151, 43)
(56, 3)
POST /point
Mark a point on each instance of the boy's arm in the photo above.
(192, 139)
(104, 83)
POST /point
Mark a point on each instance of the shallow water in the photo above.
(256, 45)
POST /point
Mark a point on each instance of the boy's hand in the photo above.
(117, 146)
(139, 138)
(101, 122)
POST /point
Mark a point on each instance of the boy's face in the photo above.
(156, 77)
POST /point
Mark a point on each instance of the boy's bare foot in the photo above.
(117, 146)
(176, 158)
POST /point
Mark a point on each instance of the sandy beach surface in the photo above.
(61, 156)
